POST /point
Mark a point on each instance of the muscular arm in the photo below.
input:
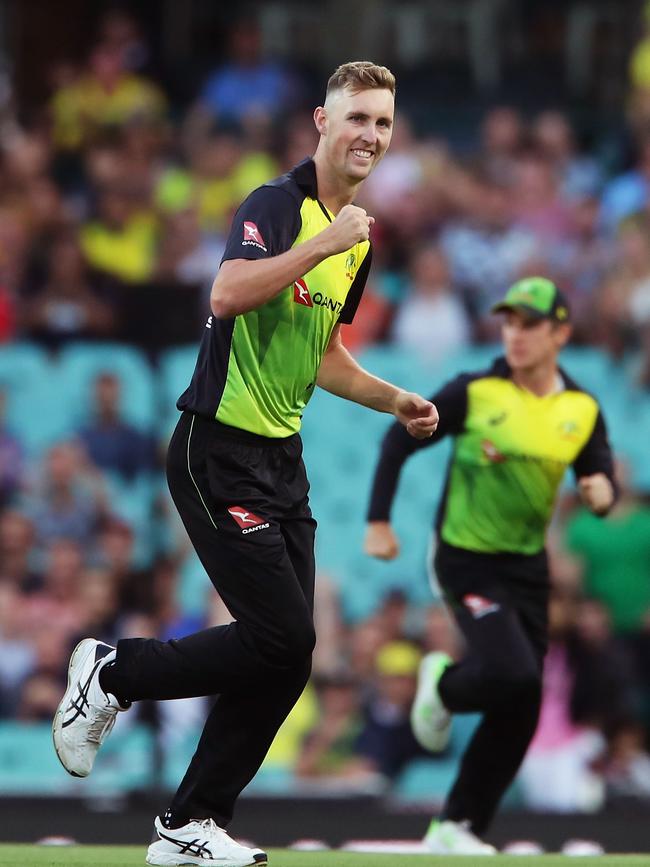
(244, 284)
(341, 375)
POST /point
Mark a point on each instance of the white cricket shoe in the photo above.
(430, 719)
(86, 715)
(201, 842)
(455, 838)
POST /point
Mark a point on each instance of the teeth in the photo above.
(361, 153)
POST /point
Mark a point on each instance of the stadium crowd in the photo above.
(114, 205)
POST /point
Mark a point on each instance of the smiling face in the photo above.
(355, 128)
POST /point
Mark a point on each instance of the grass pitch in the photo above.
(128, 856)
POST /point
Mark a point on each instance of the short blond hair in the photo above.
(361, 75)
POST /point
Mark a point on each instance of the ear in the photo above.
(564, 332)
(320, 119)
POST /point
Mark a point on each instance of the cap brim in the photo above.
(531, 312)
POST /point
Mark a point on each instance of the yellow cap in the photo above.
(398, 658)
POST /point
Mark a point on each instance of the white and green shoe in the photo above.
(454, 838)
(430, 719)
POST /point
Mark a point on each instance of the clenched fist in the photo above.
(381, 541)
(596, 493)
(419, 416)
(351, 225)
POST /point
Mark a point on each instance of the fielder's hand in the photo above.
(419, 416)
(596, 493)
(381, 541)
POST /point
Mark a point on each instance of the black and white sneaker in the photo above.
(201, 842)
(86, 715)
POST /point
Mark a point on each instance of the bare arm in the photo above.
(242, 284)
(341, 375)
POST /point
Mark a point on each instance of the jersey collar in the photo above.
(304, 174)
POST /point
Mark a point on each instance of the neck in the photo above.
(540, 379)
(334, 191)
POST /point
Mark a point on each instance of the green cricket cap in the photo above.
(537, 297)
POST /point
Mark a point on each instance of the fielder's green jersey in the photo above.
(257, 371)
(510, 453)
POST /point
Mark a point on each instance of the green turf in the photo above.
(126, 856)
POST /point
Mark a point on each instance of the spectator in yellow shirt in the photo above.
(106, 95)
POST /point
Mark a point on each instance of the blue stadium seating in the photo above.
(81, 363)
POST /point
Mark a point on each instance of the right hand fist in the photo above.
(381, 541)
(351, 225)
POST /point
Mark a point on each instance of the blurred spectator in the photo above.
(615, 555)
(57, 599)
(219, 176)
(105, 95)
(11, 459)
(538, 207)
(66, 501)
(330, 633)
(17, 535)
(386, 740)
(17, 656)
(14, 241)
(113, 553)
(121, 241)
(627, 280)
(38, 697)
(364, 643)
(111, 443)
(588, 694)
(371, 322)
(502, 136)
(440, 632)
(99, 606)
(120, 32)
(431, 320)
(299, 140)
(248, 86)
(485, 250)
(65, 307)
(639, 71)
(187, 255)
(628, 192)
(580, 262)
(328, 753)
(579, 176)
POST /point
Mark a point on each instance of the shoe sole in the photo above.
(57, 723)
(436, 740)
(165, 859)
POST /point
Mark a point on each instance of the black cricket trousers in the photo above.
(243, 500)
(500, 602)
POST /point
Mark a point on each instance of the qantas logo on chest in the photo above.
(302, 295)
(253, 236)
(248, 521)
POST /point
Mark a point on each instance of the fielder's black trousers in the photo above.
(260, 558)
(500, 602)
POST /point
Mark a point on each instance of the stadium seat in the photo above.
(175, 369)
(36, 410)
(29, 766)
(80, 363)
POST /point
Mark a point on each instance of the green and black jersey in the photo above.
(510, 453)
(257, 371)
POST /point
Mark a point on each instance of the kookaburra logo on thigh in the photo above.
(248, 521)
